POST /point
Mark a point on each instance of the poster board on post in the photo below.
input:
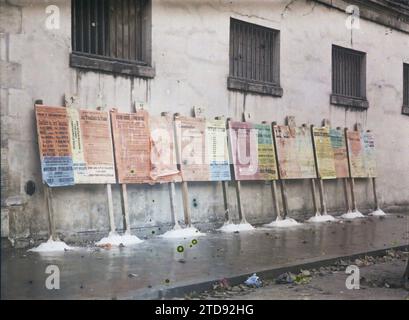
(294, 152)
(368, 141)
(356, 155)
(339, 148)
(92, 150)
(132, 146)
(252, 151)
(217, 150)
(324, 153)
(163, 150)
(54, 145)
(191, 141)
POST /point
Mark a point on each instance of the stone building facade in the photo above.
(186, 54)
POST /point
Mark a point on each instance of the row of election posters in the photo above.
(91, 147)
(343, 153)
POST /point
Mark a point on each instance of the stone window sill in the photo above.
(108, 65)
(359, 103)
(259, 87)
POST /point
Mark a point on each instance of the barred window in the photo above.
(405, 108)
(111, 35)
(254, 58)
(348, 77)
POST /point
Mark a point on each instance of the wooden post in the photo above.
(50, 211)
(172, 193)
(322, 198)
(237, 187)
(110, 209)
(352, 183)
(242, 217)
(314, 199)
(48, 200)
(124, 198)
(375, 196)
(320, 184)
(284, 198)
(273, 182)
(185, 192)
(282, 184)
(347, 203)
(245, 117)
(289, 121)
(186, 206)
(275, 199)
(225, 186)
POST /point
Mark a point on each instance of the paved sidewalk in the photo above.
(155, 268)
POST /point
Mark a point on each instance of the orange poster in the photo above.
(91, 138)
(356, 154)
(132, 146)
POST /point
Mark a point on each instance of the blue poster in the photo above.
(219, 171)
(57, 171)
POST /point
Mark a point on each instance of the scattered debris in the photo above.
(106, 246)
(253, 280)
(303, 278)
(221, 285)
(285, 278)
(132, 275)
(301, 281)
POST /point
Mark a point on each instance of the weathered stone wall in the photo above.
(190, 52)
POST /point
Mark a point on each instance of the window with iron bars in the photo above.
(111, 36)
(405, 108)
(348, 77)
(254, 58)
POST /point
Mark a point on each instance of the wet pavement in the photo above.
(156, 265)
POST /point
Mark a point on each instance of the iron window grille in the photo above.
(254, 58)
(110, 35)
(348, 77)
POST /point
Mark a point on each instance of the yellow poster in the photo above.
(324, 153)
